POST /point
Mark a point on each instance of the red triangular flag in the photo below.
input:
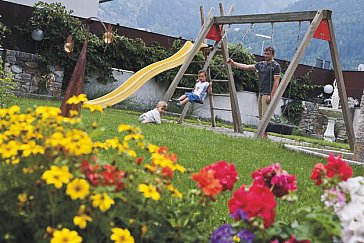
(215, 33)
(323, 31)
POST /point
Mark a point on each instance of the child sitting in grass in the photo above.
(154, 116)
(202, 87)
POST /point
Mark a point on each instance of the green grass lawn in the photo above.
(197, 148)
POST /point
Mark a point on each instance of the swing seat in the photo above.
(203, 96)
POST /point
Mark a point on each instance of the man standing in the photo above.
(269, 76)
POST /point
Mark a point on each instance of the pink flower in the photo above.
(276, 179)
(225, 173)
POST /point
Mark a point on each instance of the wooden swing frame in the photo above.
(315, 17)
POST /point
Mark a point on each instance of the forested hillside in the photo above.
(178, 18)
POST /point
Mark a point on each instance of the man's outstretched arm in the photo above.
(241, 65)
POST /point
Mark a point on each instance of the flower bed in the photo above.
(56, 187)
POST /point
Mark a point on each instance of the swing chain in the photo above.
(247, 32)
(272, 34)
(242, 39)
(298, 35)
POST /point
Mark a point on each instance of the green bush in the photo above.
(7, 86)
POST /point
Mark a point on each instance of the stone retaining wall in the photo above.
(313, 122)
(31, 80)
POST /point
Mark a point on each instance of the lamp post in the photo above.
(75, 85)
(264, 37)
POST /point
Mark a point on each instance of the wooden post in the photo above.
(199, 40)
(289, 73)
(341, 86)
(211, 100)
(188, 104)
(232, 89)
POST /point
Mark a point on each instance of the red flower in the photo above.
(93, 178)
(168, 172)
(139, 161)
(318, 173)
(106, 175)
(225, 173)
(86, 166)
(207, 182)
(292, 240)
(258, 201)
(274, 177)
(337, 167)
(163, 150)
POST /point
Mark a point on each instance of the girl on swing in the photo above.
(199, 92)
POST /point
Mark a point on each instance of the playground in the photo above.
(80, 170)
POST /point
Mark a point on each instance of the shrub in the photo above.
(7, 86)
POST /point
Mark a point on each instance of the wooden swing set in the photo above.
(321, 27)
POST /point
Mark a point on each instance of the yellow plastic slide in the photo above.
(138, 79)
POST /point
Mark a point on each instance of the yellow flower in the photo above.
(31, 148)
(14, 109)
(141, 145)
(93, 108)
(149, 192)
(73, 113)
(47, 112)
(112, 143)
(103, 201)
(121, 236)
(77, 99)
(28, 170)
(150, 168)
(57, 176)
(23, 197)
(131, 153)
(81, 220)
(9, 150)
(135, 137)
(236, 238)
(144, 230)
(153, 148)
(78, 142)
(78, 188)
(128, 128)
(179, 168)
(12, 160)
(66, 236)
(175, 191)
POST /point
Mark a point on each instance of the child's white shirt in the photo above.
(200, 88)
(151, 116)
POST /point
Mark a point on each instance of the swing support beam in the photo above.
(268, 18)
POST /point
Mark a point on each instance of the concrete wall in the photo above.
(248, 104)
(146, 97)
